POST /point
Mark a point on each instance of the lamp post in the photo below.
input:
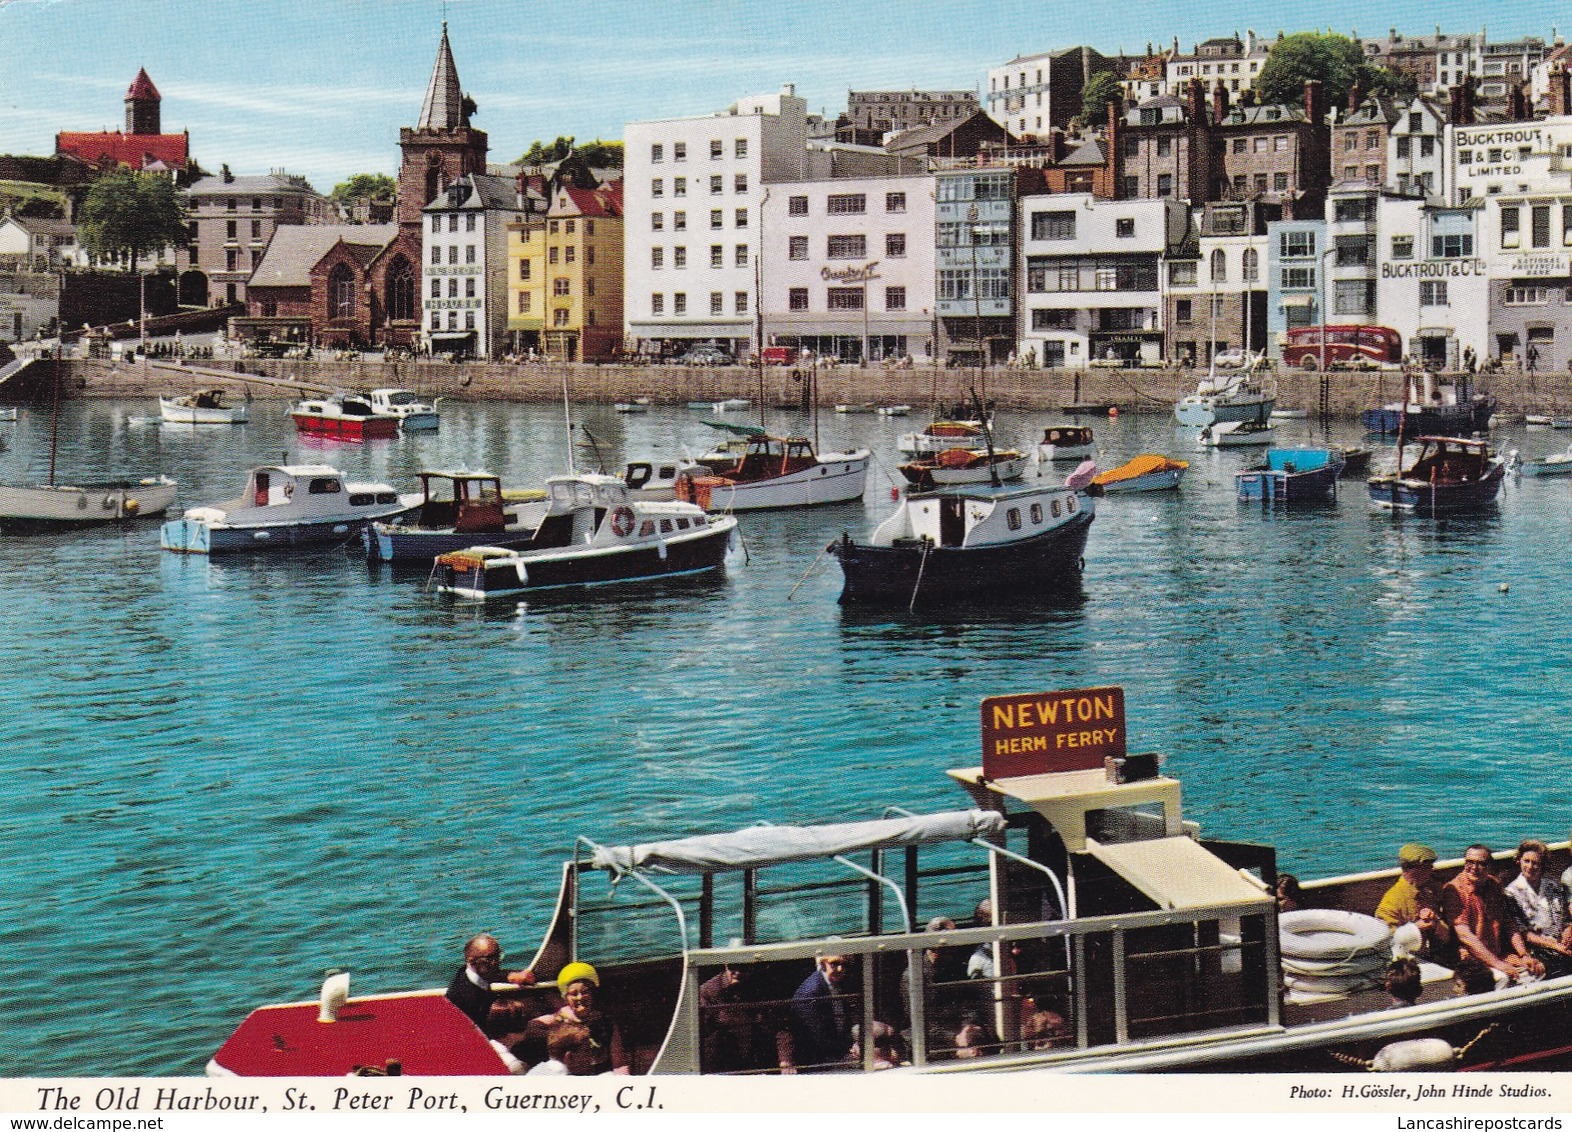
(1326, 291)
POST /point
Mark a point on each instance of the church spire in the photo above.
(444, 105)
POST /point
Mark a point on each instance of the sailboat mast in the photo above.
(54, 419)
(567, 420)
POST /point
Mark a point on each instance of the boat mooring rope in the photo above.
(1458, 1054)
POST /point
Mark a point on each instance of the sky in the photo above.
(321, 87)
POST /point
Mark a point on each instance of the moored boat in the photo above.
(1432, 409)
(25, 507)
(940, 435)
(1066, 444)
(456, 510)
(1236, 434)
(592, 532)
(776, 471)
(343, 418)
(1291, 476)
(205, 406)
(956, 466)
(1118, 937)
(1449, 474)
(1147, 472)
(285, 505)
(1555, 464)
(414, 415)
(1218, 398)
(974, 542)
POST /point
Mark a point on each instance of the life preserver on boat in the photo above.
(1414, 1054)
(1325, 934)
(622, 522)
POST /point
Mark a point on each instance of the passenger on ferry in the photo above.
(820, 1018)
(1290, 897)
(1043, 1029)
(1472, 977)
(1402, 981)
(1480, 915)
(943, 967)
(1415, 898)
(980, 965)
(888, 1052)
(579, 985)
(506, 1026)
(1541, 905)
(738, 1030)
(570, 1052)
(470, 989)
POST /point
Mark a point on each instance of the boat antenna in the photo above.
(594, 446)
(758, 317)
(567, 418)
(987, 431)
(54, 420)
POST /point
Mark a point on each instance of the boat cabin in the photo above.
(1449, 460)
(977, 515)
(764, 457)
(464, 501)
(302, 486)
(1067, 436)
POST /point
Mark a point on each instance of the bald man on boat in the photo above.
(471, 989)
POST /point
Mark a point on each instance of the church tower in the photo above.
(442, 147)
(142, 106)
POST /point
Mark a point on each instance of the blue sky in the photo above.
(321, 87)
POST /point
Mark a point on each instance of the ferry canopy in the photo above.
(764, 845)
(1177, 874)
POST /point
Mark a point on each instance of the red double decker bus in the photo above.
(1342, 346)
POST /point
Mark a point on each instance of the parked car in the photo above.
(706, 355)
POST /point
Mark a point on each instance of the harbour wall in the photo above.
(1340, 393)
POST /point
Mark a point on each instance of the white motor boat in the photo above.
(414, 415)
(1236, 434)
(1225, 398)
(205, 406)
(286, 505)
(775, 471)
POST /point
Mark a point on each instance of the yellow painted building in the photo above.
(565, 276)
(526, 284)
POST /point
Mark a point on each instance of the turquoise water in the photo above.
(225, 777)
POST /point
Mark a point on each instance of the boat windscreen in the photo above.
(775, 844)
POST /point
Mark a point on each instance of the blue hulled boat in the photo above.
(1438, 411)
(1450, 474)
(1291, 476)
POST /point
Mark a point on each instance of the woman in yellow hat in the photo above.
(579, 985)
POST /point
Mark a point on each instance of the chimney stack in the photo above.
(1315, 102)
(1560, 92)
(1356, 97)
(1517, 103)
(1195, 103)
(1219, 103)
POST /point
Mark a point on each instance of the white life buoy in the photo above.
(1414, 1054)
(1326, 934)
(622, 522)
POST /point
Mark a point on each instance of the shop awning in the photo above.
(453, 336)
(1297, 301)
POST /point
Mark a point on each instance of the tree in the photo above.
(128, 215)
(364, 186)
(1335, 60)
(1101, 89)
(540, 152)
(597, 154)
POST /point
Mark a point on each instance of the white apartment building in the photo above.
(1093, 271)
(1432, 288)
(1216, 295)
(693, 189)
(847, 267)
(464, 297)
(1416, 149)
(1233, 62)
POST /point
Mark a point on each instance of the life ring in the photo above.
(1329, 934)
(622, 522)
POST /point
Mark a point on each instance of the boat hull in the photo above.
(920, 573)
(1291, 476)
(346, 428)
(1196, 410)
(1393, 493)
(1550, 466)
(174, 413)
(645, 560)
(201, 536)
(1446, 420)
(419, 422)
(924, 475)
(835, 479)
(386, 542)
(65, 505)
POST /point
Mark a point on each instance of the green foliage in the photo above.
(1101, 89)
(1337, 61)
(598, 154)
(365, 186)
(128, 215)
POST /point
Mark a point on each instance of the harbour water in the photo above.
(225, 777)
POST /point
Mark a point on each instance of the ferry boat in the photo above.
(1115, 937)
(592, 532)
(972, 542)
(285, 505)
(1449, 474)
(343, 418)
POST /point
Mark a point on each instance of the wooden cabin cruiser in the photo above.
(956, 466)
(975, 542)
(205, 406)
(1063, 444)
(1449, 474)
(456, 510)
(1149, 471)
(1219, 398)
(414, 415)
(776, 471)
(941, 435)
(343, 418)
(26, 507)
(285, 505)
(592, 532)
(1118, 937)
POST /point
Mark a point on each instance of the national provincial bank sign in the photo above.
(1433, 269)
(1044, 732)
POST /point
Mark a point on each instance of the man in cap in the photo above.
(470, 989)
(1415, 898)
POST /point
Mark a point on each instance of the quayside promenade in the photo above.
(1342, 393)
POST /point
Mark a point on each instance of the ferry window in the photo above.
(1054, 506)
(682, 524)
(646, 528)
(665, 526)
(362, 499)
(1012, 518)
(1037, 512)
(323, 487)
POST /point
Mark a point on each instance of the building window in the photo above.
(679, 258)
(452, 254)
(559, 317)
(436, 288)
(717, 184)
(657, 221)
(1402, 247)
(895, 245)
(469, 222)
(569, 254)
(1296, 245)
(658, 187)
(740, 149)
(679, 221)
(1432, 293)
(717, 218)
(1165, 184)
(452, 222)
(523, 302)
(1124, 227)
(739, 183)
(1219, 266)
(845, 298)
(1053, 225)
(551, 255)
(559, 286)
(1298, 278)
(452, 287)
(1539, 231)
(231, 230)
(1456, 246)
(679, 303)
(847, 247)
(436, 320)
(1510, 235)
(797, 299)
(436, 223)
(1181, 273)
(717, 302)
(740, 302)
(1165, 147)
(341, 293)
(1279, 182)
(436, 256)
(797, 247)
(847, 204)
(679, 151)
(895, 298)
(679, 186)
(657, 304)
(741, 259)
(894, 202)
(469, 287)
(717, 255)
(717, 149)
(657, 153)
(797, 206)
(1054, 319)
(657, 258)
(1183, 310)
(1353, 296)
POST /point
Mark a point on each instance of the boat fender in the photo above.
(523, 572)
(1327, 933)
(81, 503)
(622, 522)
(1415, 1054)
(130, 507)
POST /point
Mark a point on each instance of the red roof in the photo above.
(135, 150)
(604, 201)
(142, 87)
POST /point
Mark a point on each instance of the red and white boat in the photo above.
(344, 418)
(775, 471)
